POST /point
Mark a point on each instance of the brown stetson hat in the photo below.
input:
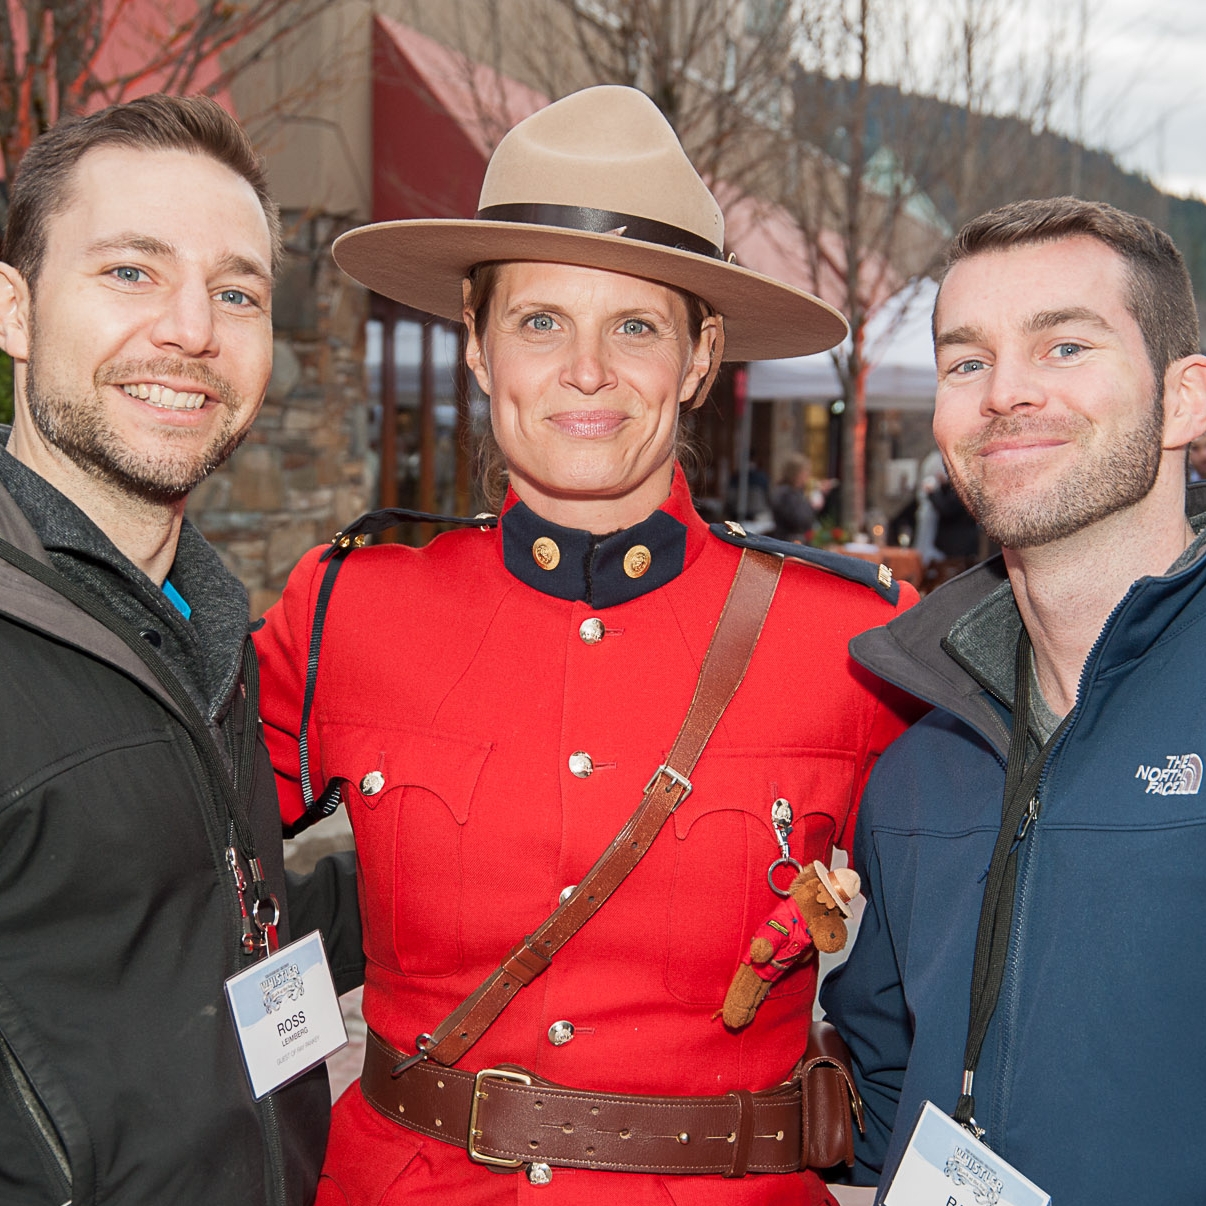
(597, 179)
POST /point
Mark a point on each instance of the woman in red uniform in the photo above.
(494, 704)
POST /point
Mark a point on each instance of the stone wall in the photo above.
(303, 471)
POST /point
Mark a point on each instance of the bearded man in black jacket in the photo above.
(135, 797)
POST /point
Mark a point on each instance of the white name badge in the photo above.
(286, 1014)
(945, 1165)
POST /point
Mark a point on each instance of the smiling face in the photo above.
(586, 371)
(1048, 414)
(146, 346)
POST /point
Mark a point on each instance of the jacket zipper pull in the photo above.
(1028, 817)
(249, 943)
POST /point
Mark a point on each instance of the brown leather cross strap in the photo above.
(724, 667)
(507, 1117)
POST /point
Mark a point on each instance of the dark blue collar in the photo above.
(600, 570)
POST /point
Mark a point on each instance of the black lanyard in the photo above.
(1018, 810)
(260, 919)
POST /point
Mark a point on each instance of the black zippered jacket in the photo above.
(121, 1080)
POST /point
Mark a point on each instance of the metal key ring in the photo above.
(770, 875)
(261, 909)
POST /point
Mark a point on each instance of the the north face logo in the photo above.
(1180, 776)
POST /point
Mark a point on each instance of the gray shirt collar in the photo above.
(984, 639)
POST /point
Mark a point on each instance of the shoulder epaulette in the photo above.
(878, 577)
(372, 522)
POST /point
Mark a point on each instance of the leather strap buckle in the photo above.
(480, 1095)
(674, 777)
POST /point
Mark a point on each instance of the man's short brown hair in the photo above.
(1160, 294)
(43, 183)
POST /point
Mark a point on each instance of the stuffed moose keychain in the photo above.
(812, 915)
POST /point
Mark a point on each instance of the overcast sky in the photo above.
(1146, 94)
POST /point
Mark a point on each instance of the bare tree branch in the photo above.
(904, 131)
(720, 76)
(58, 59)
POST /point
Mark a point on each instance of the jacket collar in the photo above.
(15, 528)
(44, 610)
(955, 648)
(603, 571)
(204, 654)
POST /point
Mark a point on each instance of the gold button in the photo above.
(546, 553)
(637, 560)
(591, 631)
(735, 529)
(372, 783)
(581, 764)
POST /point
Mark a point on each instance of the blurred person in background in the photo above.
(790, 505)
(1196, 461)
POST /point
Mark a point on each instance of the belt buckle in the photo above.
(521, 1078)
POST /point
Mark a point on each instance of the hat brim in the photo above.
(422, 262)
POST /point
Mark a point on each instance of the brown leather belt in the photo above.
(507, 1117)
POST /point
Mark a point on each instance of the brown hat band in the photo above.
(601, 221)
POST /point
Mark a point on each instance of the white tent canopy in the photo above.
(899, 347)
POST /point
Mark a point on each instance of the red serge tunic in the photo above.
(473, 693)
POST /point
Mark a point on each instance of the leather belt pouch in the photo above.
(830, 1099)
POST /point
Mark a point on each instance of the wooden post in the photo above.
(465, 451)
(387, 444)
(427, 441)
